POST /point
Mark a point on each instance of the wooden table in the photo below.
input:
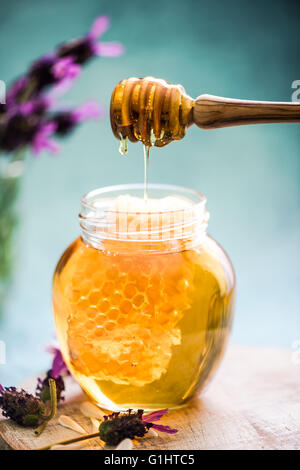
(252, 403)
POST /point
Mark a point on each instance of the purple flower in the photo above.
(36, 106)
(60, 89)
(28, 118)
(83, 49)
(99, 27)
(119, 426)
(43, 388)
(88, 110)
(18, 130)
(65, 68)
(104, 49)
(42, 141)
(41, 72)
(66, 121)
(59, 366)
(15, 89)
(21, 122)
(21, 407)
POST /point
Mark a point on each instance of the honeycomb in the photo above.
(124, 313)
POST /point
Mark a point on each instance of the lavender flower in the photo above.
(18, 130)
(28, 117)
(119, 426)
(21, 407)
(66, 121)
(43, 388)
(42, 139)
(38, 106)
(83, 49)
(42, 72)
(16, 89)
(66, 68)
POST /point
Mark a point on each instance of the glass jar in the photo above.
(143, 300)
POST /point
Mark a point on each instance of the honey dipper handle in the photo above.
(211, 112)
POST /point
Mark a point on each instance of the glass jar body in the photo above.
(143, 329)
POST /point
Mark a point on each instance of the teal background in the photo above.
(250, 175)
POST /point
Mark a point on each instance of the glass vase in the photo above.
(11, 170)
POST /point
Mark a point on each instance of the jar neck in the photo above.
(116, 219)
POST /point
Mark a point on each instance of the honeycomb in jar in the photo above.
(125, 309)
(124, 314)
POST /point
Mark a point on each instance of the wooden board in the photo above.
(252, 403)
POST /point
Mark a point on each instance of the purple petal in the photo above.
(15, 89)
(59, 366)
(108, 49)
(99, 27)
(162, 428)
(88, 110)
(42, 141)
(155, 415)
(66, 68)
(27, 108)
(60, 89)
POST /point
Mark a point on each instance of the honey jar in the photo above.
(143, 299)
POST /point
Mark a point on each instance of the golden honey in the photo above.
(143, 300)
(150, 110)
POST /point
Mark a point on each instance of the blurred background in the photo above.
(250, 175)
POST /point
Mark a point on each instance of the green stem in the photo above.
(53, 401)
(71, 441)
(41, 428)
(53, 398)
(28, 91)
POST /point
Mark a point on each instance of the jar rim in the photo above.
(100, 219)
(105, 190)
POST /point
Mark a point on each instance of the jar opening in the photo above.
(120, 213)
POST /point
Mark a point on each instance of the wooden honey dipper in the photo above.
(156, 112)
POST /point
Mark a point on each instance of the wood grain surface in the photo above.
(252, 403)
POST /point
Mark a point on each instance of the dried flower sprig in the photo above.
(57, 372)
(29, 118)
(43, 388)
(119, 426)
(20, 406)
(26, 409)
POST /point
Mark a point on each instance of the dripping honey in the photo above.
(149, 110)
